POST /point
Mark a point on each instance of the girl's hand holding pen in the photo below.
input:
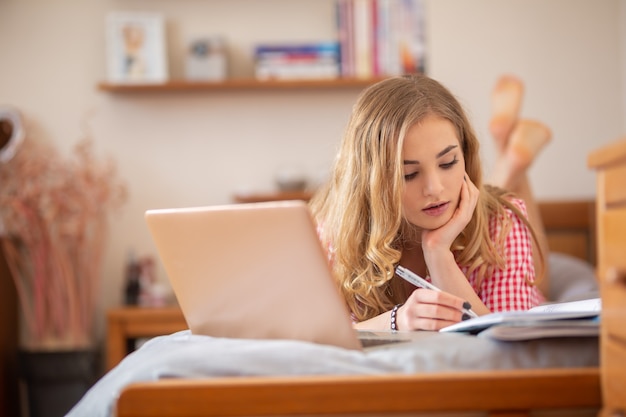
(429, 308)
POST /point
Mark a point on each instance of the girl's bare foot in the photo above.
(506, 101)
(526, 141)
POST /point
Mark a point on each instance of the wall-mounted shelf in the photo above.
(273, 196)
(237, 84)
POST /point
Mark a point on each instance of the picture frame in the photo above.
(136, 51)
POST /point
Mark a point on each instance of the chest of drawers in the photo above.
(609, 163)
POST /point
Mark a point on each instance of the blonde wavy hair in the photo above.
(360, 208)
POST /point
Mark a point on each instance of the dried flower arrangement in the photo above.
(54, 213)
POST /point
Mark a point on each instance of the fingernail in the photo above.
(467, 305)
(465, 316)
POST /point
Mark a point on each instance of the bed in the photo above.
(437, 374)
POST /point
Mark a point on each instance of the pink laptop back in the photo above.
(251, 271)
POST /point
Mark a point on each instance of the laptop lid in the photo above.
(253, 270)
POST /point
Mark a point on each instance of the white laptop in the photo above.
(255, 271)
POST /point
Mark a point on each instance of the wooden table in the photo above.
(126, 324)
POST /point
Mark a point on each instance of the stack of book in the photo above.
(380, 38)
(297, 61)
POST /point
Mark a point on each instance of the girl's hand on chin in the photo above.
(445, 235)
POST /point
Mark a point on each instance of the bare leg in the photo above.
(518, 143)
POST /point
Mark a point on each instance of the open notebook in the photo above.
(566, 319)
(254, 271)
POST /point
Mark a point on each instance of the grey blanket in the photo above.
(183, 355)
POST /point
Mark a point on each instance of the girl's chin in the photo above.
(427, 223)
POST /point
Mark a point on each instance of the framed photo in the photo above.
(136, 50)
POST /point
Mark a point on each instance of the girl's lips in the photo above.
(436, 210)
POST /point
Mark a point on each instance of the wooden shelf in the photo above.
(237, 84)
(273, 196)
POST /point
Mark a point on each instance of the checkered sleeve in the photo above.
(509, 288)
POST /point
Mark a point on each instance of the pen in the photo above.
(418, 281)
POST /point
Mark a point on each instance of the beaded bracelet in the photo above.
(394, 312)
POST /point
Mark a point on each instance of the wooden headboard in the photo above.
(571, 227)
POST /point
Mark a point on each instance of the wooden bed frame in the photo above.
(571, 229)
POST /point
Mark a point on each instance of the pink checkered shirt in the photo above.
(509, 289)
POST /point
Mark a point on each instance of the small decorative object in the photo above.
(290, 180)
(136, 50)
(132, 285)
(206, 59)
(153, 293)
(11, 133)
(141, 285)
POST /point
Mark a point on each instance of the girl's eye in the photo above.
(449, 165)
(410, 176)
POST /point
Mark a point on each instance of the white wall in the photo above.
(180, 149)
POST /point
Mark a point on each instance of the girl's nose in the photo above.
(432, 185)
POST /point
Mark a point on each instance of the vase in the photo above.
(52, 382)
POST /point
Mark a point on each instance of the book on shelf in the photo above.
(297, 61)
(364, 38)
(574, 318)
(380, 38)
